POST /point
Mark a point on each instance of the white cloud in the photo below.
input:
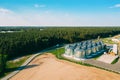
(39, 6)
(115, 6)
(5, 11)
(50, 18)
(13, 20)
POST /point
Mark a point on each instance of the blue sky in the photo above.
(59, 12)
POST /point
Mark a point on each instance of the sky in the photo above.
(59, 12)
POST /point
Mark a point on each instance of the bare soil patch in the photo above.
(47, 67)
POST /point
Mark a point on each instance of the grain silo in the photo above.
(79, 44)
(99, 47)
(83, 49)
(89, 45)
(93, 50)
(93, 44)
(69, 51)
(74, 45)
(84, 43)
(88, 51)
(67, 46)
(102, 46)
(80, 54)
(78, 47)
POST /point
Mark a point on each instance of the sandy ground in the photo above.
(47, 67)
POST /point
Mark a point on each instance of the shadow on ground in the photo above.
(20, 68)
(8, 70)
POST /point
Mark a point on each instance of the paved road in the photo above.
(111, 67)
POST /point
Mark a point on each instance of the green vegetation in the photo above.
(108, 41)
(3, 60)
(13, 65)
(33, 39)
(115, 61)
(58, 52)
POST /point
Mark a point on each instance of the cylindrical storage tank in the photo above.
(80, 54)
(83, 47)
(101, 42)
(93, 44)
(93, 50)
(78, 47)
(88, 51)
(67, 46)
(98, 43)
(102, 46)
(69, 51)
(89, 42)
(89, 46)
(84, 43)
(79, 44)
(74, 45)
(97, 48)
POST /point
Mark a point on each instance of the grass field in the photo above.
(115, 61)
(13, 65)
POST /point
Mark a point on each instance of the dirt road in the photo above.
(47, 67)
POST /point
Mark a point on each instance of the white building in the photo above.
(115, 48)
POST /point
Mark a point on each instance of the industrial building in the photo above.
(84, 49)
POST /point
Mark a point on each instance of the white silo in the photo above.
(97, 43)
(101, 42)
(99, 47)
(80, 54)
(93, 44)
(67, 46)
(69, 51)
(84, 43)
(78, 47)
(102, 46)
(88, 51)
(93, 50)
(74, 45)
(89, 45)
(83, 47)
(79, 44)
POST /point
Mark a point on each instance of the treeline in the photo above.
(31, 40)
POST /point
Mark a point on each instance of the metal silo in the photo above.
(102, 46)
(97, 48)
(97, 43)
(89, 42)
(80, 54)
(93, 50)
(69, 51)
(83, 47)
(101, 42)
(67, 46)
(93, 44)
(84, 43)
(79, 44)
(88, 51)
(89, 45)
